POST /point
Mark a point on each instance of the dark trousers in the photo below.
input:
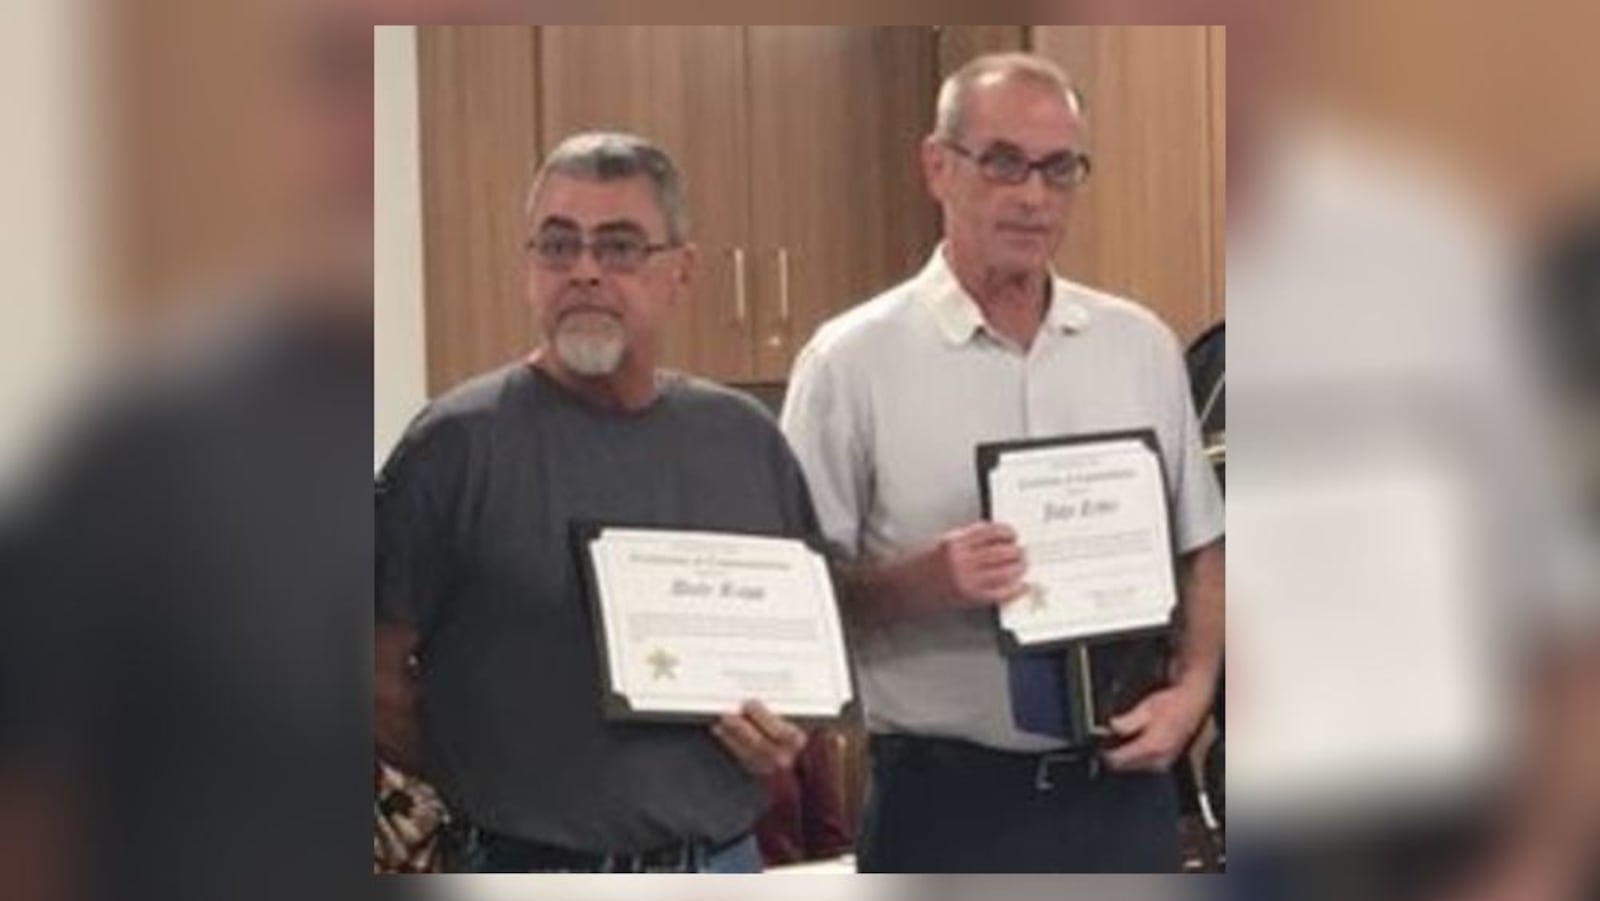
(942, 806)
(469, 849)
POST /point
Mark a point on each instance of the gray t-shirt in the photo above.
(473, 549)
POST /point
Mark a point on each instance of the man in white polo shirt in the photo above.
(885, 407)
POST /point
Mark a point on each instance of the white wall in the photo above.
(49, 258)
(398, 356)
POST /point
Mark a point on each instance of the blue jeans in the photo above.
(743, 856)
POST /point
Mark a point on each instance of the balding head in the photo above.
(955, 94)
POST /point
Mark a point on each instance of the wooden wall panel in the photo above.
(683, 88)
(801, 140)
(959, 43)
(479, 135)
(1142, 224)
(1217, 48)
(839, 208)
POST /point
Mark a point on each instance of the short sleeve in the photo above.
(1197, 509)
(819, 419)
(415, 544)
(799, 514)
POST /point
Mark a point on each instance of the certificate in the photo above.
(692, 624)
(1092, 517)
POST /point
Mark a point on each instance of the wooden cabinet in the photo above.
(799, 148)
(1149, 223)
(960, 43)
(839, 211)
(1217, 47)
(799, 145)
(684, 88)
(476, 106)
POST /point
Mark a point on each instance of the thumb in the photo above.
(1134, 721)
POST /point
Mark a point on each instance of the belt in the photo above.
(1042, 769)
(531, 856)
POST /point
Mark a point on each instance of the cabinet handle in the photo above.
(738, 285)
(783, 285)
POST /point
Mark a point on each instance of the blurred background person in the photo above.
(182, 674)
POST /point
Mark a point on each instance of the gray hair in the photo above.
(611, 156)
(951, 113)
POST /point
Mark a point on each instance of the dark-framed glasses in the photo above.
(1005, 165)
(621, 252)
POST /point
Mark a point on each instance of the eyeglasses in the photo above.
(620, 253)
(1003, 165)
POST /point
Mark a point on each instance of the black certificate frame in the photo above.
(1087, 660)
(989, 454)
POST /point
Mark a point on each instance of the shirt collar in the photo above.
(960, 318)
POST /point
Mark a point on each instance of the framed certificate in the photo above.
(691, 624)
(1091, 514)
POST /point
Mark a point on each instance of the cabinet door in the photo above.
(959, 44)
(1144, 224)
(1217, 47)
(684, 89)
(477, 126)
(838, 204)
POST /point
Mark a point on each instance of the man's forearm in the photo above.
(395, 727)
(1202, 621)
(888, 591)
(976, 564)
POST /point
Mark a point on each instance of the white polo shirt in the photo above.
(884, 409)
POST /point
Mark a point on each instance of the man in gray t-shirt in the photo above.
(488, 676)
